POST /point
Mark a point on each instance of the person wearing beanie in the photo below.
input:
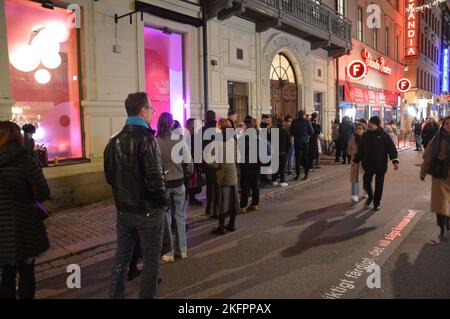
(373, 151)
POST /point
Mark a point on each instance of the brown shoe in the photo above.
(254, 207)
(242, 210)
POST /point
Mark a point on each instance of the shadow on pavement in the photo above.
(336, 209)
(427, 277)
(312, 236)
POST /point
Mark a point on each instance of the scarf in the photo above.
(136, 120)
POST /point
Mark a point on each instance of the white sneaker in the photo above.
(365, 195)
(167, 259)
(274, 183)
(355, 198)
(184, 255)
(284, 184)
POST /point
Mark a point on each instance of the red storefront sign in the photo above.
(356, 95)
(412, 28)
(378, 64)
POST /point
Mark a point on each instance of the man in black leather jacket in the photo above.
(301, 129)
(133, 168)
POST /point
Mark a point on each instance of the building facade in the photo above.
(67, 67)
(380, 45)
(423, 57)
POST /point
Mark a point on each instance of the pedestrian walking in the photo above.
(436, 161)
(301, 130)
(284, 145)
(212, 189)
(314, 142)
(346, 131)
(352, 150)
(429, 131)
(417, 131)
(392, 131)
(250, 170)
(175, 171)
(336, 140)
(23, 236)
(133, 168)
(227, 181)
(373, 151)
(291, 154)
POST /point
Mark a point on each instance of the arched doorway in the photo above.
(283, 87)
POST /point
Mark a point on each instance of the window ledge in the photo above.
(68, 162)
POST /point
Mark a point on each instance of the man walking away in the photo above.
(429, 131)
(373, 151)
(417, 130)
(301, 129)
(346, 131)
(284, 142)
(133, 168)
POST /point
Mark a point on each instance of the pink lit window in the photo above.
(164, 73)
(43, 55)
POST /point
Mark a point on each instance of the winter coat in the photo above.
(284, 141)
(314, 141)
(174, 172)
(392, 132)
(374, 149)
(22, 232)
(440, 188)
(301, 130)
(226, 172)
(346, 131)
(352, 150)
(417, 129)
(428, 132)
(249, 166)
(132, 163)
(335, 132)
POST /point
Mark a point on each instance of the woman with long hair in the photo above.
(226, 174)
(436, 161)
(174, 173)
(352, 150)
(23, 236)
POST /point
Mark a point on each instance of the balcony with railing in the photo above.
(307, 19)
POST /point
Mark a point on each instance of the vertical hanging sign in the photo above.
(412, 29)
(445, 71)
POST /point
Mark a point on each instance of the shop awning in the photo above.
(358, 95)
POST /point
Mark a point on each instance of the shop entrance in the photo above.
(238, 98)
(164, 73)
(283, 87)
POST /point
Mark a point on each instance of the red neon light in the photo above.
(357, 70)
(403, 85)
(412, 28)
(378, 64)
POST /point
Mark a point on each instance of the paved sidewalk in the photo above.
(87, 235)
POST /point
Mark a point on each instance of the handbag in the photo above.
(41, 211)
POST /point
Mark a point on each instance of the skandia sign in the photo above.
(412, 27)
(378, 64)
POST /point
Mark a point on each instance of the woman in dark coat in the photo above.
(314, 142)
(22, 233)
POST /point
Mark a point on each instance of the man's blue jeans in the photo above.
(177, 210)
(290, 158)
(149, 228)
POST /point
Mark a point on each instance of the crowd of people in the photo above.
(151, 188)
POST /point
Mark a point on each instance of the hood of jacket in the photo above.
(10, 152)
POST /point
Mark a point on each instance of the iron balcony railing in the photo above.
(315, 13)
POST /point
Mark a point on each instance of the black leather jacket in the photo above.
(132, 163)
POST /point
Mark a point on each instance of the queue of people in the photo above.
(150, 188)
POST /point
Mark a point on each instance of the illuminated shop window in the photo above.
(164, 73)
(43, 56)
